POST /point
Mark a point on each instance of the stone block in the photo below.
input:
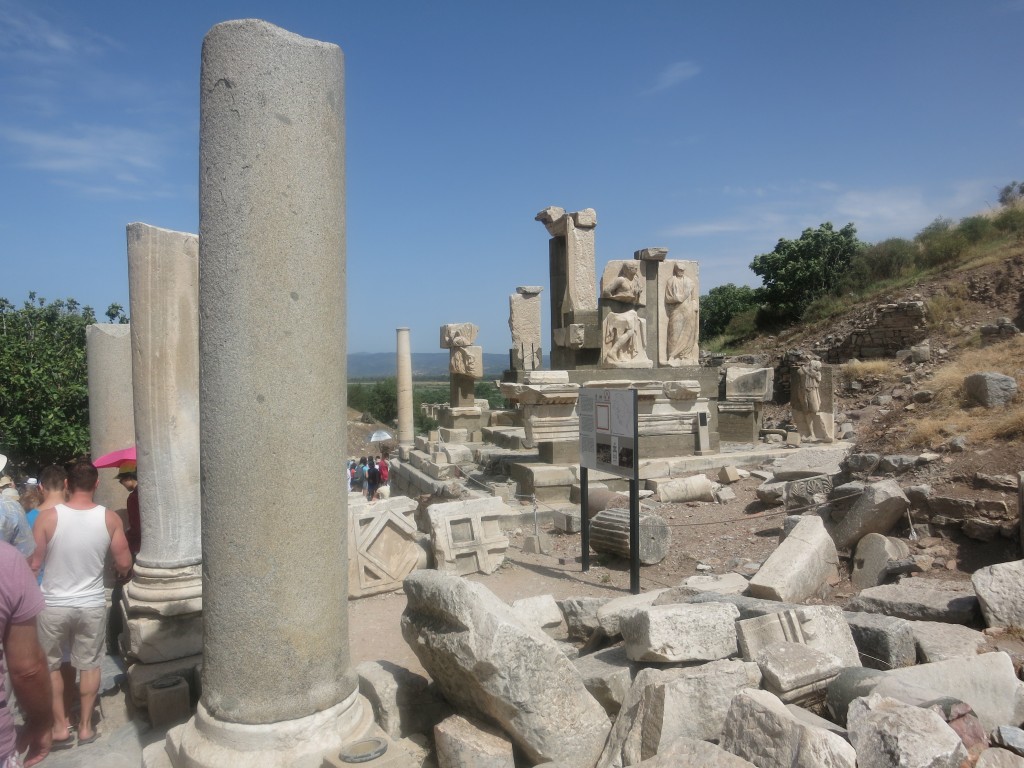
(803, 566)
(786, 667)
(987, 682)
(691, 705)
(756, 384)
(168, 701)
(611, 613)
(995, 757)
(999, 593)
(921, 600)
(728, 474)
(759, 728)
(455, 335)
(820, 626)
(873, 557)
(723, 584)
(541, 611)
(883, 642)
(403, 702)
(990, 389)
(878, 509)
(811, 462)
(575, 491)
(581, 615)
(152, 640)
(680, 632)
(886, 732)
(678, 490)
(141, 675)
(566, 521)
(466, 536)
(384, 545)
(939, 640)
(461, 742)
(694, 753)
(608, 675)
(487, 662)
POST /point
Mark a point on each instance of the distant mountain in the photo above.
(379, 365)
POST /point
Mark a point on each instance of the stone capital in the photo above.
(651, 254)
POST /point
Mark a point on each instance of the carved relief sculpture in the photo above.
(681, 309)
(628, 286)
(465, 359)
(624, 341)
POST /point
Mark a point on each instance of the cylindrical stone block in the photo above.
(609, 532)
(111, 417)
(272, 384)
(163, 284)
(406, 428)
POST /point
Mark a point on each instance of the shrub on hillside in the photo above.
(720, 305)
(1010, 221)
(976, 228)
(882, 261)
(941, 243)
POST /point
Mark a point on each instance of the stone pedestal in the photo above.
(163, 602)
(406, 422)
(278, 688)
(111, 418)
(524, 323)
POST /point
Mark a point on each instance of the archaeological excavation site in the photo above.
(651, 555)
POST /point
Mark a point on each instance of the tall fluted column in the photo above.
(406, 428)
(278, 688)
(164, 599)
(111, 420)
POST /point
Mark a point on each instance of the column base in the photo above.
(165, 591)
(205, 742)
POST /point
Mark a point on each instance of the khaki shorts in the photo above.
(83, 630)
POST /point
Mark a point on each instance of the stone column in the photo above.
(111, 418)
(164, 599)
(278, 688)
(406, 428)
(524, 324)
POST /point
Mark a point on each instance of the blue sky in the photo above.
(710, 128)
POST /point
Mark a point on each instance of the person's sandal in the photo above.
(66, 743)
(89, 740)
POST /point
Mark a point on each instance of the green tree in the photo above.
(1011, 193)
(720, 305)
(44, 392)
(798, 271)
(382, 402)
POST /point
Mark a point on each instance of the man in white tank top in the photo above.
(72, 540)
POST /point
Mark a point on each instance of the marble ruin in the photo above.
(111, 412)
(163, 602)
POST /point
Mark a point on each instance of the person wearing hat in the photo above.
(14, 527)
(127, 477)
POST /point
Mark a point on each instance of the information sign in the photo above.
(608, 430)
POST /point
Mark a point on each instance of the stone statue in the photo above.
(628, 287)
(681, 311)
(806, 402)
(624, 341)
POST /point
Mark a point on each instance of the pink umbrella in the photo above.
(116, 458)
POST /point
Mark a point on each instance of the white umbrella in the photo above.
(379, 436)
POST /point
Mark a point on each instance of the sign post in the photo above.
(609, 437)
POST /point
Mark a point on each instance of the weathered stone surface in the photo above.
(819, 626)
(467, 536)
(872, 559)
(612, 756)
(608, 675)
(807, 492)
(755, 384)
(1000, 594)
(403, 702)
(609, 532)
(803, 566)
(987, 682)
(1009, 737)
(787, 666)
(760, 729)
(990, 389)
(581, 615)
(921, 600)
(897, 463)
(693, 488)
(720, 583)
(680, 632)
(939, 640)
(384, 545)
(694, 753)
(886, 732)
(111, 413)
(141, 675)
(611, 613)
(809, 462)
(541, 611)
(772, 492)
(692, 705)
(877, 510)
(851, 683)
(462, 742)
(749, 607)
(999, 758)
(153, 640)
(486, 661)
(884, 642)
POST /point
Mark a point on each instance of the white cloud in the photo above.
(86, 148)
(674, 74)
